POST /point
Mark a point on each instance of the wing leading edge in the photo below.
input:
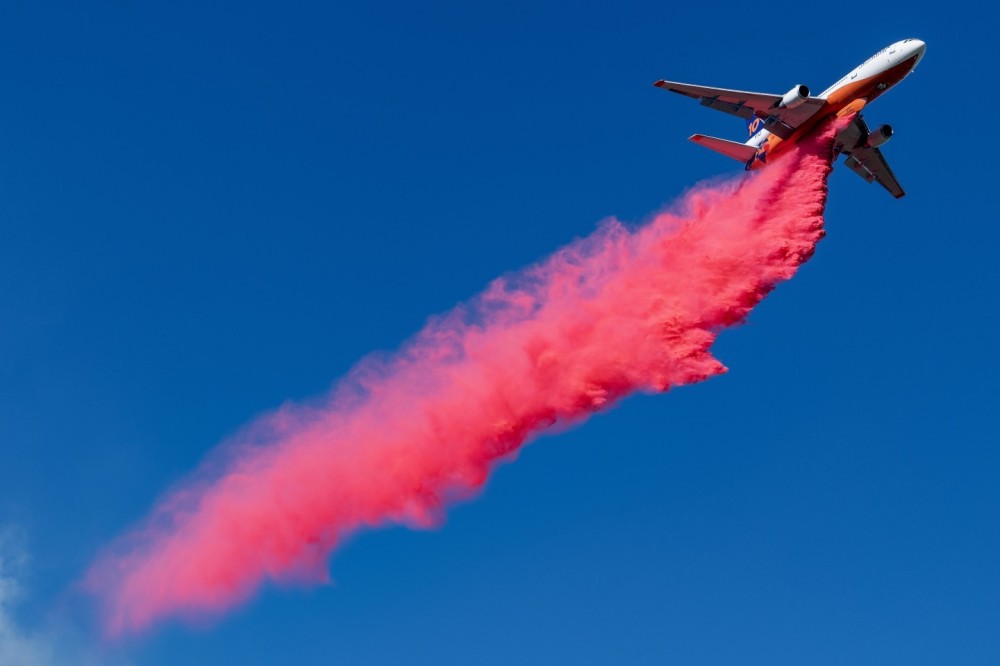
(781, 121)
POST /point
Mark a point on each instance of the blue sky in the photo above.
(207, 211)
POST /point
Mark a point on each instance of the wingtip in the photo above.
(660, 84)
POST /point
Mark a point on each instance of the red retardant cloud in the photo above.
(618, 312)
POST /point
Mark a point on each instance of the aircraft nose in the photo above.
(917, 48)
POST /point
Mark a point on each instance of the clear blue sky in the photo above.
(209, 210)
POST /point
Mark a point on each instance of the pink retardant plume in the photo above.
(619, 312)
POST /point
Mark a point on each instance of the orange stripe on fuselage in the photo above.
(849, 98)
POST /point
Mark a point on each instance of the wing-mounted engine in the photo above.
(795, 97)
(879, 136)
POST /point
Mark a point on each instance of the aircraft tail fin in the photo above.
(754, 124)
(737, 151)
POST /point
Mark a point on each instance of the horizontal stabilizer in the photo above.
(737, 151)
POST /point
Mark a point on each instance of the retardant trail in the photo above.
(618, 312)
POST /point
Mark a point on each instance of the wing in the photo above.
(867, 162)
(780, 121)
(870, 164)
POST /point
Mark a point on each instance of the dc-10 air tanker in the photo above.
(775, 122)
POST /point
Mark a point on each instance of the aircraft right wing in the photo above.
(864, 160)
(780, 120)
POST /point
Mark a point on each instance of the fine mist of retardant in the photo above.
(402, 437)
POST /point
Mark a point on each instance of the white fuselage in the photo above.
(866, 81)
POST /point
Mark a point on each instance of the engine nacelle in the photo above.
(794, 97)
(879, 136)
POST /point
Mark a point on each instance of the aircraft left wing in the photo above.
(870, 164)
(865, 160)
(778, 119)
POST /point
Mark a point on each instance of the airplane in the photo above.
(775, 122)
